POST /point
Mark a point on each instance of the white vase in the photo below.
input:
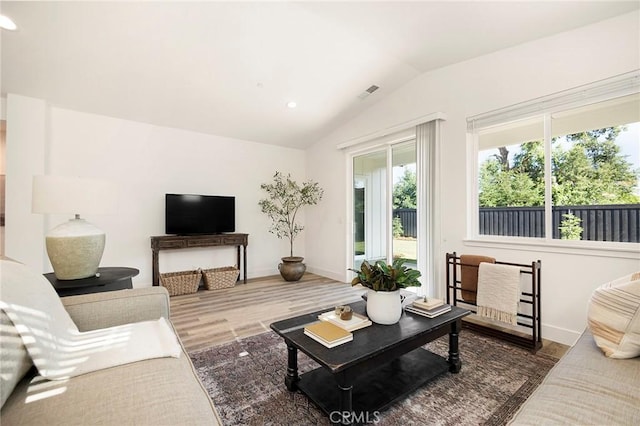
(75, 248)
(384, 307)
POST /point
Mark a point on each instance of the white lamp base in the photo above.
(75, 249)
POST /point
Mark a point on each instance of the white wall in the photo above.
(479, 85)
(25, 150)
(145, 162)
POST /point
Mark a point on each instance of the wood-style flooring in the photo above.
(211, 318)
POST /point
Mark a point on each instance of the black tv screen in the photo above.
(187, 214)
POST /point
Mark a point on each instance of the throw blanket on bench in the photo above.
(58, 349)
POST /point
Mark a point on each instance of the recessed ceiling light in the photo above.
(7, 24)
(291, 104)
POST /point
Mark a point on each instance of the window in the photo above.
(595, 184)
(560, 168)
(511, 179)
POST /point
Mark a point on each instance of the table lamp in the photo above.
(74, 247)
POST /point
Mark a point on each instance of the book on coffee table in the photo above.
(356, 322)
(429, 313)
(427, 303)
(328, 333)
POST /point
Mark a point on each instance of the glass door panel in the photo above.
(370, 207)
(385, 205)
(404, 222)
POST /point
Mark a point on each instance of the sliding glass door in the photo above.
(385, 205)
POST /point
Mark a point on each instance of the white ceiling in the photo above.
(229, 68)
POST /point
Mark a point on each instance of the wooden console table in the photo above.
(177, 242)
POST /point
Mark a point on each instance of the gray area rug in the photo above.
(245, 380)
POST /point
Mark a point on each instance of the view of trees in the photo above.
(588, 170)
(404, 197)
(404, 191)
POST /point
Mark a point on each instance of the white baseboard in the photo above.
(326, 273)
(261, 273)
(560, 335)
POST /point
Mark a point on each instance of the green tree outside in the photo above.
(405, 191)
(404, 197)
(570, 228)
(397, 230)
(591, 171)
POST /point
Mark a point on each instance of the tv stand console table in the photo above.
(176, 242)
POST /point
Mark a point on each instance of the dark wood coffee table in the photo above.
(383, 363)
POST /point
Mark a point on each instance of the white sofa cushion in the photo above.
(585, 388)
(160, 391)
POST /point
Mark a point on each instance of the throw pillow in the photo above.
(614, 317)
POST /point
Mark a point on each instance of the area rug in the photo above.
(245, 380)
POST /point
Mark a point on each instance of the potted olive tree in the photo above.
(285, 198)
(384, 283)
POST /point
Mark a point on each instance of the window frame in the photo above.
(545, 107)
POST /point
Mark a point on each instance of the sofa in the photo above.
(160, 391)
(585, 388)
(598, 381)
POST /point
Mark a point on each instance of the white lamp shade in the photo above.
(75, 195)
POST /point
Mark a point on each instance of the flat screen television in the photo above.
(188, 214)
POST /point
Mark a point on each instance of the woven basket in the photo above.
(184, 282)
(217, 278)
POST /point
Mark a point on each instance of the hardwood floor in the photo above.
(210, 318)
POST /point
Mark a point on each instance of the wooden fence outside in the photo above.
(409, 221)
(617, 222)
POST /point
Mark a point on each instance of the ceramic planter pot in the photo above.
(384, 307)
(292, 268)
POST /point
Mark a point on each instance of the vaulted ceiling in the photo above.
(230, 68)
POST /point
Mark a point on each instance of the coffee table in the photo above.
(383, 363)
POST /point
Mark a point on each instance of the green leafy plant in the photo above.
(397, 227)
(284, 199)
(383, 277)
(570, 228)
